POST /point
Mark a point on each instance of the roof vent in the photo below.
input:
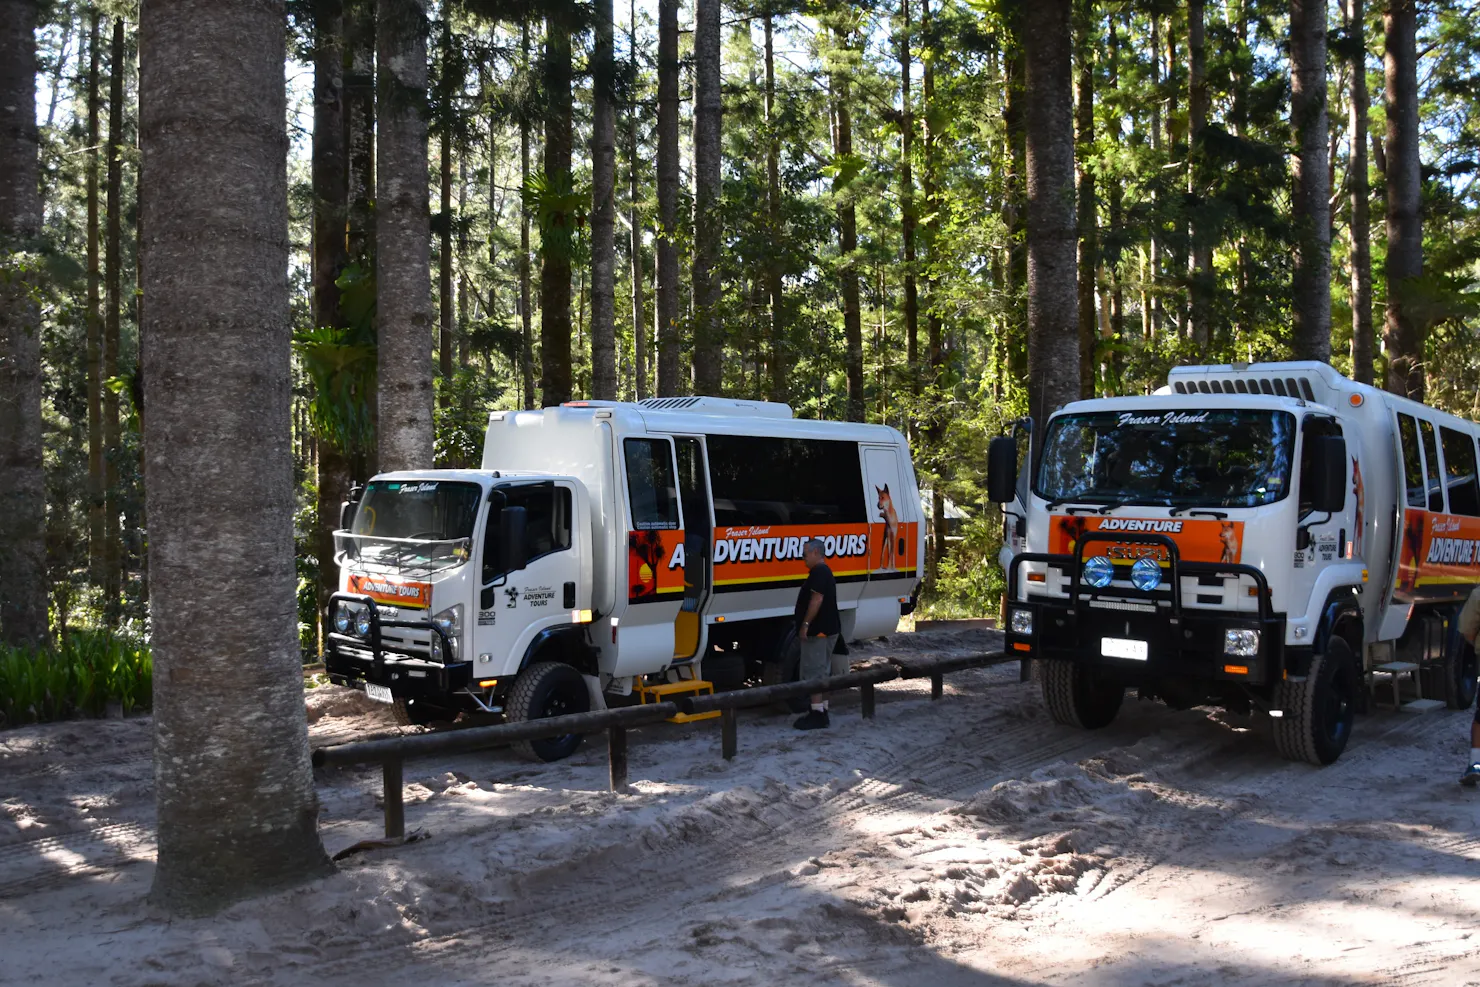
(717, 406)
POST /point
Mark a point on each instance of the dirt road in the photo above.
(967, 841)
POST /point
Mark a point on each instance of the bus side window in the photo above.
(1459, 469)
(1412, 464)
(1431, 466)
(650, 484)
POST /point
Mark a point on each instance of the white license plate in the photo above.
(380, 693)
(1120, 647)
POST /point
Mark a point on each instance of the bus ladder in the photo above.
(675, 691)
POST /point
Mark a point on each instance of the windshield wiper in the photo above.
(1193, 511)
(1054, 504)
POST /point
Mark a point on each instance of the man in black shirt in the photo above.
(818, 628)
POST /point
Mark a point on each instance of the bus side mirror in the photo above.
(348, 508)
(513, 546)
(1328, 471)
(1002, 469)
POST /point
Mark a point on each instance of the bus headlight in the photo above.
(1022, 621)
(1099, 571)
(1146, 575)
(1242, 642)
(450, 623)
(342, 618)
(362, 622)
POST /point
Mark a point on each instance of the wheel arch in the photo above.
(1342, 617)
(563, 644)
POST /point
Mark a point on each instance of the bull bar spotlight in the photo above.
(1146, 575)
(1099, 571)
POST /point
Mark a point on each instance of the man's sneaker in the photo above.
(1469, 779)
(812, 719)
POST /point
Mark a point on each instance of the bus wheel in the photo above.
(548, 688)
(1318, 713)
(1077, 697)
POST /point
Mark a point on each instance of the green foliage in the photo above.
(80, 677)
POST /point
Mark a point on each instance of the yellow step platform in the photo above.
(673, 690)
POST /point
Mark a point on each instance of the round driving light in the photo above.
(362, 622)
(1098, 571)
(342, 619)
(1146, 575)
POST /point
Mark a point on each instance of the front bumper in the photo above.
(1181, 642)
(351, 660)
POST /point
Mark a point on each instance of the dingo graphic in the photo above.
(1228, 535)
(890, 517)
(1360, 493)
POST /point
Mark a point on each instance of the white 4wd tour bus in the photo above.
(607, 548)
(1264, 536)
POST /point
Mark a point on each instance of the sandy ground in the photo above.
(966, 841)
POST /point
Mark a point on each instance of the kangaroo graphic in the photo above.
(1228, 534)
(890, 517)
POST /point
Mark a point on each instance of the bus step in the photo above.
(1422, 705)
(673, 690)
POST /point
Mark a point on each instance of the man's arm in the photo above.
(812, 607)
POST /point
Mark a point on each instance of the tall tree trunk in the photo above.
(359, 128)
(22, 487)
(463, 302)
(639, 310)
(1239, 118)
(1116, 220)
(1089, 253)
(1053, 350)
(444, 226)
(907, 217)
(558, 229)
(1176, 143)
(95, 481)
(708, 341)
(848, 240)
(780, 366)
(1151, 283)
(935, 353)
(667, 247)
(1200, 262)
(1403, 332)
(113, 288)
(331, 208)
(236, 805)
(403, 236)
(603, 210)
(526, 351)
(1311, 202)
(1361, 196)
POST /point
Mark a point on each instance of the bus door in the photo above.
(655, 549)
(892, 537)
(698, 541)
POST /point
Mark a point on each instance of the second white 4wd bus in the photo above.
(1253, 536)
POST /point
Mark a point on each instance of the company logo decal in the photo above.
(384, 589)
(1197, 540)
(1439, 557)
(1162, 420)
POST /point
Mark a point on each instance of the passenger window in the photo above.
(1412, 464)
(762, 480)
(1431, 466)
(1313, 428)
(547, 516)
(650, 484)
(1459, 472)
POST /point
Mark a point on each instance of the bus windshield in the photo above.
(1186, 458)
(415, 523)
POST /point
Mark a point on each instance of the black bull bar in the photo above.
(1182, 629)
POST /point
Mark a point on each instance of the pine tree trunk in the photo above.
(708, 339)
(1310, 203)
(1053, 350)
(113, 300)
(1200, 264)
(603, 211)
(403, 238)
(526, 353)
(22, 487)
(1361, 197)
(557, 236)
(667, 295)
(444, 226)
(1089, 253)
(1403, 332)
(848, 241)
(94, 313)
(780, 366)
(236, 805)
(1117, 219)
(463, 352)
(639, 309)
(331, 208)
(935, 353)
(1151, 283)
(907, 217)
(359, 128)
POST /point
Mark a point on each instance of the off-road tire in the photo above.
(725, 671)
(1318, 712)
(547, 688)
(1457, 675)
(1077, 697)
(420, 713)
